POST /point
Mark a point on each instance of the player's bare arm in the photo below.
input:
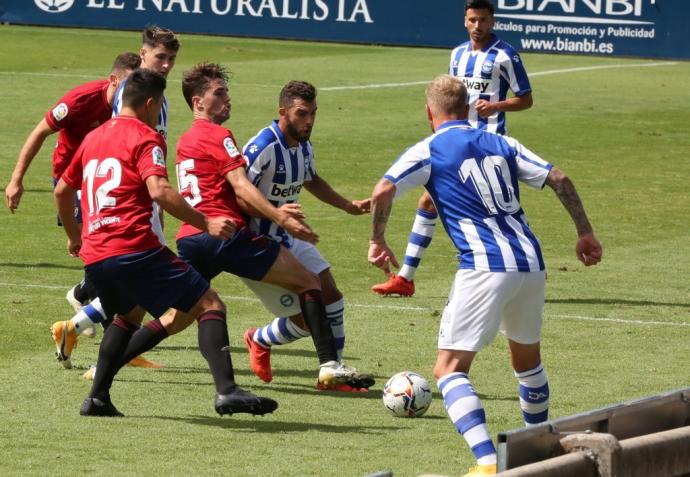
(172, 202)
(380, 255)
(516, 103)
(64, 199)
(33, 143)
(588, 248)
(323, 191)
(251, 199)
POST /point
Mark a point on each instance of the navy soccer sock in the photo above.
(214, 345)
(321, 333)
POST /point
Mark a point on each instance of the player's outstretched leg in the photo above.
(467, 413)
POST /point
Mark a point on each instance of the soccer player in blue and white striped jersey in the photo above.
(280, 161)
(473, 177)
(490, 68)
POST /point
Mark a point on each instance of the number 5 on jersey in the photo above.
(188, 184)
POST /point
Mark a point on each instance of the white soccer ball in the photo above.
(407, 394)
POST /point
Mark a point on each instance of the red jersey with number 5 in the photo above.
(111, 167)
(205, 153)
(78, 112)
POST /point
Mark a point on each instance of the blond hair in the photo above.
(446, 95)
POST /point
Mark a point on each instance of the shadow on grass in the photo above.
(41, 265)
(612, 301)
(277, 427)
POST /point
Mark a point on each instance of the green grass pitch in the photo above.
(618, 127)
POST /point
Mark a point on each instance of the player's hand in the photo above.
(381, 256)
(293, 210)
(74, 247)
(485, 108)
(220, 227)
(588, 249)
(299, 229)
(13, 194)
(359, 207)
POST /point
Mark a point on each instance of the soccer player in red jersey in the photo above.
(212, 177)
(120, 169)
(78, 112)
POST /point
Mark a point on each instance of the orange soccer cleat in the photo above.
(259, 357)
(396, 285)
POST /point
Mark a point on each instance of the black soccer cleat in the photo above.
(362, 381)
(240, 401)
(97, 407)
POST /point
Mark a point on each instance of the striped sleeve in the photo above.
(413, 168)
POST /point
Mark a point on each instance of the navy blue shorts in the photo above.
(245, 254)
(155, 280)
(77, 205)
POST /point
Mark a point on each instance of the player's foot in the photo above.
(96, 407)
(65, 338)
(334, 374)
(396, 285)
(481, 471)
(90, 373)
(238, 400)
(141, 362)
(259, 357)
(90, 332)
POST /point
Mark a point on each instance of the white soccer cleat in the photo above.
(340, 377)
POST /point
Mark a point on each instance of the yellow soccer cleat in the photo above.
(141, 362)
(65, 338)
(481, 471)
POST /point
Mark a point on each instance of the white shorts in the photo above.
(482, 303)
(278, 300)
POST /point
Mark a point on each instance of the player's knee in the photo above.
(212, 301)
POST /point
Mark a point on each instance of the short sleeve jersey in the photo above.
(206, 152)
(472, 176)
(278, 171)
(77, 113)
(111, 168)
(488, 74)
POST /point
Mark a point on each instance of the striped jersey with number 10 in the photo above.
(278, 171)
(488, 74)
(472, 176)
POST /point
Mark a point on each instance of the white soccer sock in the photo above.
(279, 332)
(534, 395)
(467, 413)
(417, 243)
(335, 313)
(88, 316)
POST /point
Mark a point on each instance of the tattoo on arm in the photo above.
(565, 190)
(379, 217)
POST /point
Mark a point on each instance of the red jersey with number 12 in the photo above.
(111, 167)
(77, 113)
(205, 153)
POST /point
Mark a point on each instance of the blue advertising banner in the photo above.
(648, 28)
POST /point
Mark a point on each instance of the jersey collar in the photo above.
(458, 122)
(279, 134)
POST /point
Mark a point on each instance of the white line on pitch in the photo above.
(367, 86)
(538, 73)
(404, 308)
